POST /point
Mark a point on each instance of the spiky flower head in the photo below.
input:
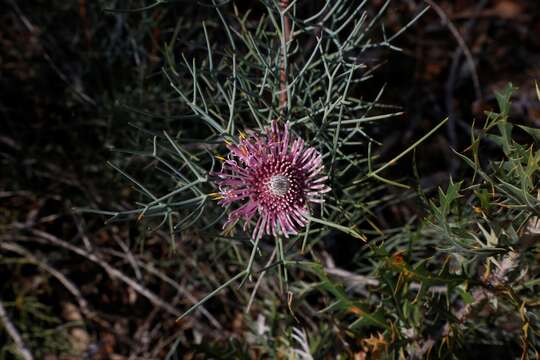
(275, 177)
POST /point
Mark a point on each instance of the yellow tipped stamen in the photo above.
(228, 231)
(216, 196)
(227, 142)
(219, 157)
(242, 135)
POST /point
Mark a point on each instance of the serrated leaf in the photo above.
(503, 99)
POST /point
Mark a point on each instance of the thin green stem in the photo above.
(211, 295)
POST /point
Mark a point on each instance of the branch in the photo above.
(14, 334)
(55, 273)
(462, 44)
(283, 95)
(46, 238)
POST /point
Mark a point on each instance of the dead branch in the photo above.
(57, 274)
(14, 334)
(45, 238)
(179, 288)
(462, 45)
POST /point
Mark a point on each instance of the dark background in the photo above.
(68, 70)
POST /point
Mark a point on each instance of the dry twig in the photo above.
(149, 268)
(14, 334)
(43, 237)
(462, 45)
(57, 274)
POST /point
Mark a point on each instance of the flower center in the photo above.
(279, 185)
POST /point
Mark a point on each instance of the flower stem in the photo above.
(251, 259)
(283, 95)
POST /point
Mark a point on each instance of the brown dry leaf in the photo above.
(504, 9)
(376, 345)
(79, 339)
(508, 9)
(238, 323)
(78, 336)
(70, 312)
(108, 342)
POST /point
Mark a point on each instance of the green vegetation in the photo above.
(122, 254)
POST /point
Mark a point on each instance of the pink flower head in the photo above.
(276, 177)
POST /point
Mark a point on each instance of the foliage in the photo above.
(426, 283)
(467, 275)
(458, 281)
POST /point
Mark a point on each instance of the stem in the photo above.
(283, 95)
(14, 334)
(211, 295)
(259, 281)
(374, 174)
(251, 259)
(282, 259)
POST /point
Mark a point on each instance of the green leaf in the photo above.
(503, 99)
(365, 319)
(485, 198)
(447, 199)
(465, 295)
(534, 132)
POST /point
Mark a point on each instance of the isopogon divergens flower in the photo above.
(275, 177)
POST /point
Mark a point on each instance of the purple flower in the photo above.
(275, 176)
